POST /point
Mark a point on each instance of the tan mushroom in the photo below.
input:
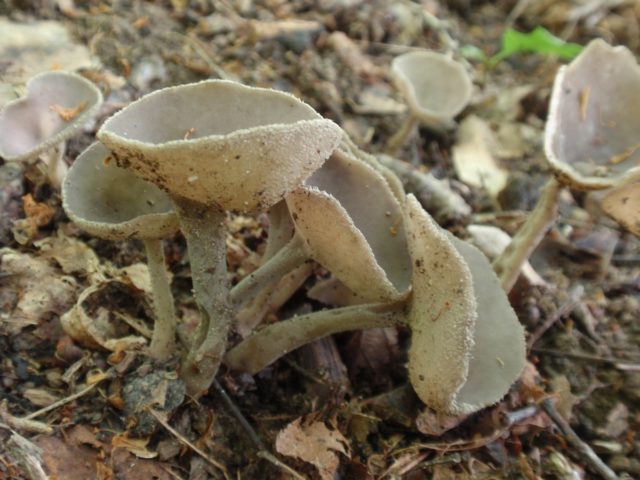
(345, 199)
(436, 89)
(113, 203)
(591, 139)
(216, 146)
(56, 106)
(467, 345)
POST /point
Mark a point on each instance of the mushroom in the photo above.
(56, 105)
(215, 146)
(590, 141)
(336, 202)
(591, 137)
(436, 89)
(467, 345)
(112, 203)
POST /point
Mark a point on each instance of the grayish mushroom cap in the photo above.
(436, 87)
(220, 142)
(622, 203)
(113, 203)
(347, 200)
(36, 122)
(591, 137)
(467, 345)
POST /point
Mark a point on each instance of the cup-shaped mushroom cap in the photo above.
(436, 87)
(622, 203)
(467, 345)
(113, 203)
(498, 353)
(591, 137)
(442, 312)
(349, 201)
(220, 142)
(55, 106)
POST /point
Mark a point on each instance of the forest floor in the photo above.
(341, 407)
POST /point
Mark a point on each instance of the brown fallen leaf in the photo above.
(136, 446)
(313, 443)
(33, 289)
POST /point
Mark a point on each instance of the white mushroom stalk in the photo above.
(591, 139)
(215, 146)
(436, 89)
(56, 105)
(113, 203)
(467, 345)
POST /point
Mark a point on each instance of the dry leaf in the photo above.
(73, 255)
(473, 156)
(137, 446)
(34, 288)
(313, 443)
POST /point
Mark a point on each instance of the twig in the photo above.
(583, 450)
(253, 435)
(616, 362)
(549, 322)
(62, 401)
(160, 418)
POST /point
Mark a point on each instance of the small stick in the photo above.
(253, 435)
(585, 452)
(160, 418)
(62, 401)
(549, 322)
(617, 362)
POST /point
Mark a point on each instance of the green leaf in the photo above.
(539, 41)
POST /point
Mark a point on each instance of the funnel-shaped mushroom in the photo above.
(113, 203)
(467, 345)
(436, 89)
(347, 219)
(622, 203)
(56, 105)
(216, 146)
(220, 142)
(591, 137)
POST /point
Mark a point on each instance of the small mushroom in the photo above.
(345, 199)
(467, 345)
(436, 89)
(215, 146)
(591, 137)
(56, 105)
(112, 203)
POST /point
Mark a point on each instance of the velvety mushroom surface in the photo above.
(591, 136)
(55, 106)
(218, 142)
(348, 199)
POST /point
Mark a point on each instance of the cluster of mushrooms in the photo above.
(182, 157)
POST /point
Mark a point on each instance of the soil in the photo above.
(345, 398)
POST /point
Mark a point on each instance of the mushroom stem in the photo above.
(398, 139)
(289, 257)
(163, 339)
(269, 344)
(204, 229)
(56, 168)
(508, 265)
